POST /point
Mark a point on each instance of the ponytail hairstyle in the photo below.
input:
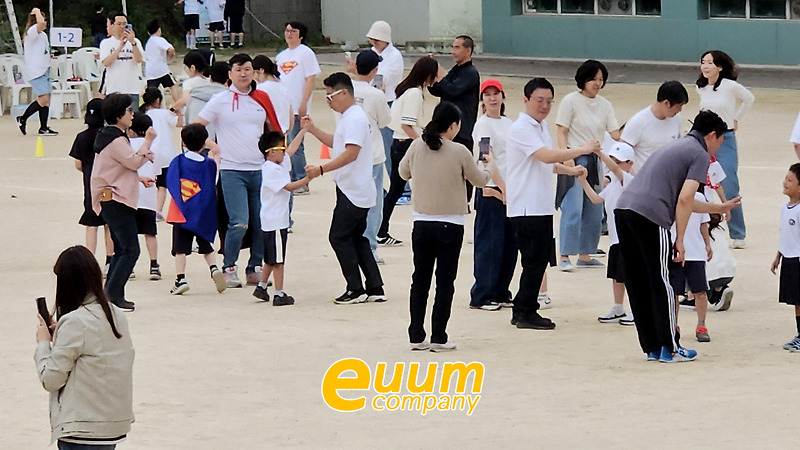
(444, 115)
(77, 277)
(150, 97)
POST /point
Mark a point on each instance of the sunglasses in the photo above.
(330, 96)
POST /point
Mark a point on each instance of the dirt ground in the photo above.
(226, 371)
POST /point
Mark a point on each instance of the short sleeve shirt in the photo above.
(653, 193)
(355, 178)
(163, 145)
(496, 130)
(147, 195)
(795, 137)
(407, 110)
(279, 97)
(610, 195)
(529, 181)
(587, 118)
(274, 198)
(239, 123)
(693, 242)
(295, 65)
(216, 10)
(37, 53)
(155, 54)
(646, 133)
(123, 75)
(789, 240)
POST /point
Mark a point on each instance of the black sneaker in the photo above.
(155, 273)
(125, 305)
(282, 300)
(47, 132)
(388, 241)
(261, 293)
(376, 295)
(180, 287)
(22, 123)
(352, 297)
(687, 305)
(535, 322)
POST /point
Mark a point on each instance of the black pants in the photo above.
(439, 244)
(535, 238)
(396, 184)
(121, 221)
(495, 251)
(647, 250)
(351, 247)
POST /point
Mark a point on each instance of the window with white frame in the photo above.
(755, 9)
(593, 7)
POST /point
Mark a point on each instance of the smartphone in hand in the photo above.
(483, 148)
(41, 305)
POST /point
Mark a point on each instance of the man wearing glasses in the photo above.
(351, 170)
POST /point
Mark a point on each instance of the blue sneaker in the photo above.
(403, 201)
(653, 356)
(682, 355)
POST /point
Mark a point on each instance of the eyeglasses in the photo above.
(332, 94)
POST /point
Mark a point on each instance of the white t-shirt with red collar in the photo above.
(239, 123)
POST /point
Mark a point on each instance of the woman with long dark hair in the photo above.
(88, 366)
(438, 167)
(719, 92)
(407, 125)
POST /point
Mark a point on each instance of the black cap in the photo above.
(367, 60)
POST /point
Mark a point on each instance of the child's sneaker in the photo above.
(180, 287)
(544, 301)
(613, 316)
(261, 293)
(219, 280)
(155, 273)
(687, 305)
(232, 278)
(282, 300)
(627, 321)
(682, 355)
(701, 333)
(793, 345)
(654, 356)
(254, 277)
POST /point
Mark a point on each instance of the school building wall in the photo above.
(682, 33)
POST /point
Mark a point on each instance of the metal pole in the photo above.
(12, 18)
(52, 23)
(124, 7)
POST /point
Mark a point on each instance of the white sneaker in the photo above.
(544, 301)
(613, 316)
(627, 320)
(424, 345)
(725, 300)
(232, 278)
(738, 244)
(446, 347)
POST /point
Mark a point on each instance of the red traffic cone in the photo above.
(325, 153)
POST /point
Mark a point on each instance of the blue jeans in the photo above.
(121, 222)
(71, 446)
(728, 158)
(375, 213)
(388, 135)
(495, 251)
(242, 192)
(579, 231)
(299, 157)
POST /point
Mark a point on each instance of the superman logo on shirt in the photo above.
(288, 66)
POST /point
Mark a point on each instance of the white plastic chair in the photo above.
(13, 84)
(87, 65)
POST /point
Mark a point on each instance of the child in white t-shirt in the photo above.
(691, 273)
(276, 191)
(789, 251)
(164, 144)
(619, 161)
(145, 208)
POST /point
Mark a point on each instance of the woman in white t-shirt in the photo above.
(583, 116)
(407, 123)
(37, 72)
(495, 240)
(719, 92)
(268, 78)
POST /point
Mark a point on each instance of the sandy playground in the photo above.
(229, 372)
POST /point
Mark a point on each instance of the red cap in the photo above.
(491, 83)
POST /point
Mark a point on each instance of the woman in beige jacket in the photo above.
(438, 167)
(88, 366)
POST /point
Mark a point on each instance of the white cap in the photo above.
(380, 31)
(622, 151)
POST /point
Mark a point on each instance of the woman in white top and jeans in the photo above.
(438, 167)
(406, 123)
(88, 366)
(719, 92)
(37, 72)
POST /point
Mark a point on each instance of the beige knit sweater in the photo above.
(438, 177)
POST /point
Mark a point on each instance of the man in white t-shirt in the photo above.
(299, 68)
(374, 105)
(121, 54)
(191, 20)
(351, 170)
(156, 70)
(238, 115)
(530, 163)
(653, 127)
(37, 72)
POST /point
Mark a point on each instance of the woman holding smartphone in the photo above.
(407, 125)
(438, 167)
(87, 363)
(719, 92)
